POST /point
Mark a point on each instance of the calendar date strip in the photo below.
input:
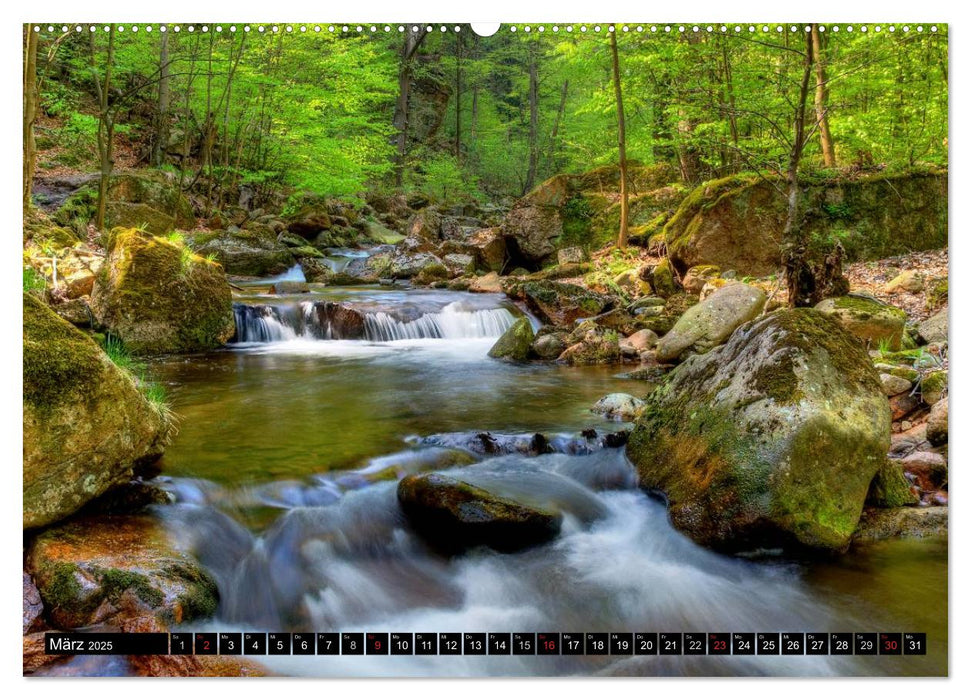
(489, 643)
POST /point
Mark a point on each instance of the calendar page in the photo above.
(417, 349)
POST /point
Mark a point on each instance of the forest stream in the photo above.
(284, 474)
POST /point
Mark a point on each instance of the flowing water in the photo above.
(293, 438)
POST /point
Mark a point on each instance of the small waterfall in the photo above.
(452, 322)
(324, 320)
(261, 324)
(294, 274)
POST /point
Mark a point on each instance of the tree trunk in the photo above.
(533, 123)
(730, 99)
(458, 98)
(556, 122)
(800, 279)
(400, 120)
(822, 97)
(162, 113)
(106, 125)
(621, 142)
(475, 91)
(30, 111)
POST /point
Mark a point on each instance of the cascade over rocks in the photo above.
(770, 440)
(158, 297)
(86, 425)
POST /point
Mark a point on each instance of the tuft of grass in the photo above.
(185, 259)
(883, 346)
(118, 354)
(153, 392)
(33, 280)
(176, 238)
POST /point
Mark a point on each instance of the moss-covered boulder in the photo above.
(933, 385)
(561, 303)
(890, 488)
(86, 425)
(737, 222)
(515, 343)
(147, 199)
(406, 265)
(663, 281)
(246, 253)
(455, 515)
(709, 323)
(159, 297)
(872, 321)
(769, 441)
(111, 568)
(590, 344)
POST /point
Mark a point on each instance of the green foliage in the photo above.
(33, 280)
(444, 182)
(316, 111)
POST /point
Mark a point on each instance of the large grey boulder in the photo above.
(769, 441)
(710, 322)
(934, 329)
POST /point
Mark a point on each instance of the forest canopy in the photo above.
(337, 111)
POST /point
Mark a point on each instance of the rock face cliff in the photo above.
(737, 222)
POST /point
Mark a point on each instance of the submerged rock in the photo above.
(769, 441)
(709, 323)
(112, 568)
(619, 406)
(868, 319)
(885, 523)
(515, 343)
(290, 287)
(550, 345)
(455, 515)
(158, 297)
(86, 425)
